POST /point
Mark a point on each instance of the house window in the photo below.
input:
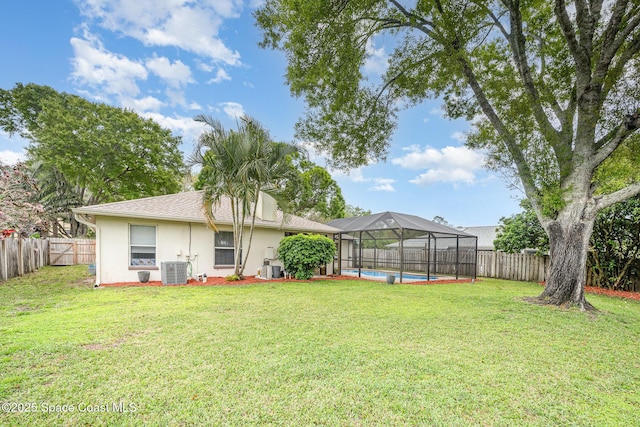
(142, 245)
(223, 249)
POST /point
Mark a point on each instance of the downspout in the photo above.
(86, 221)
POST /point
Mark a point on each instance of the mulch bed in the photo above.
(250, 280)
(609, 292)
(613, 293)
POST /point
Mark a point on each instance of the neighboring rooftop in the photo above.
(486, 235)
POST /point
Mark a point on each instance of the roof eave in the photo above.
(276, 226)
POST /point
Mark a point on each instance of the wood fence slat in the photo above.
(19, 256)
(72, 251)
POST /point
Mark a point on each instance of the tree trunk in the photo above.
(569, 245)
(77, 229)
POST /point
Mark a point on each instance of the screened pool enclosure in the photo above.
(412, 248)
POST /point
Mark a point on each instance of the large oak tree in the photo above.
(88, 153)
(553, 88)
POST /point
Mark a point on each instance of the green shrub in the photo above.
(303, 253)
(232, 278)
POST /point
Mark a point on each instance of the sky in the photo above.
(171, 60)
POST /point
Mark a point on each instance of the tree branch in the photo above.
(618, 196)
(414, 21)
(617, 70)
(614, 36)
(581, 61)
(561, 148)
(612, 140)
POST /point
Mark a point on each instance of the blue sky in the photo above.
(173, 59)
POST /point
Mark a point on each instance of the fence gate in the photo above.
(71, 251)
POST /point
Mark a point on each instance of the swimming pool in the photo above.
(381, 274)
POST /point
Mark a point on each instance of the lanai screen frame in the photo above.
(407, 227)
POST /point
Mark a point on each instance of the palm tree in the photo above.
(57, 197)
(239, 164)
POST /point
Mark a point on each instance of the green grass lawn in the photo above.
(327, 353)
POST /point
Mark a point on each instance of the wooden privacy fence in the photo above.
(19, 256)
(524, 267)
(72, 251)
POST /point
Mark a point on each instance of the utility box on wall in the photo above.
(270, 253)
(173, 272)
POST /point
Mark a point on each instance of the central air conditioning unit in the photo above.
(173, 272)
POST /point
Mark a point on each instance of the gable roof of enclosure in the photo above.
(385, 226)
(395, 221)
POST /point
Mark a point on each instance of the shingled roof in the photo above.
(187, 207)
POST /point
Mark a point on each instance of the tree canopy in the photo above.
(312, 192)
(90, 152)
(521, 231)
(552, 89)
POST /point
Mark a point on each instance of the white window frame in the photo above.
(225, 248)
(141, 263)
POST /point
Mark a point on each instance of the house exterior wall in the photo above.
(175, 241)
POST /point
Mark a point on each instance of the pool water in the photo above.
(405, 276)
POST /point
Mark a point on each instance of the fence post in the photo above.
(20, 258)
(3, 253)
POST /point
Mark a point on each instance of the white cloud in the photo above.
(205, 67)
(189, 25)
(186, 127)
(95, 66)
(377, 60)
(232, 109)
(354, 175)
(453, 176)
(449, 164)
(176, 97)
(148, 103)
(9, 157)
(437, 111)
(175, 74)
(459, 136)
(221, 76)
(383, 184)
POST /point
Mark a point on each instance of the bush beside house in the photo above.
(301, 254)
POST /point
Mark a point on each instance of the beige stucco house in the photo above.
(139, 235)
